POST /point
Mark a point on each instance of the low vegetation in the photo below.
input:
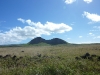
(50, 60)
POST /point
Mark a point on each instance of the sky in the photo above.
(75, 21)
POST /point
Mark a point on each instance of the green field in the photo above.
(49, 60)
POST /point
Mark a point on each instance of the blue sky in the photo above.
(76, 21)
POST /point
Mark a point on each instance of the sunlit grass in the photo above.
(49, 60)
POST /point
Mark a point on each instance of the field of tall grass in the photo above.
(49, 60)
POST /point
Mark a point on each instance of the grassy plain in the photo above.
(49, 60)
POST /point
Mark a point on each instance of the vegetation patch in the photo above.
(50, 60)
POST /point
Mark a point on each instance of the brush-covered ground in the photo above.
(49, 60)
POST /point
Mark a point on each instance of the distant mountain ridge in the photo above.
(53, 41)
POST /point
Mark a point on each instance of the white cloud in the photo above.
(88, 1)
(69, 1)
(32, 30)
(80, 36)
(91, 22)
(22, 20)
(50, 26)
(91, 34)
(85, 42)
(92, 17)
(94, 36)
(72, 1)
(97, 37)
(97, 27)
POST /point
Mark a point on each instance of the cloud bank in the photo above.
(32, 30)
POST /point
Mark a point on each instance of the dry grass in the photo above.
(58, 60)
(68, 51)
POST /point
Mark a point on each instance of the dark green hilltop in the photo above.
(54, 41)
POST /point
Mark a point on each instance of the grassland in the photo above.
(49, 60)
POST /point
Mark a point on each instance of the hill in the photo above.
(54, 41)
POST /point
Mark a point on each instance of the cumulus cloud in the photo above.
(69, 1)
(88, 1)
(92, 17)
(50, 26)
(32, 30)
